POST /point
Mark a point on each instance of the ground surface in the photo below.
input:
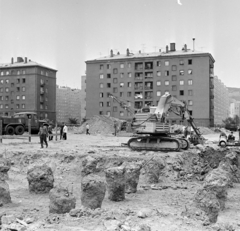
(169, 207)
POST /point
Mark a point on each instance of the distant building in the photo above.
(234, 108)
(140, 79)
(83, 96)
(27, 86)
(68, 104)
(221, 101)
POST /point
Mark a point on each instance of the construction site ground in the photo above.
(166, 209)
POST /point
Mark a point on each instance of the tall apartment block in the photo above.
(26, 86)
(68, 104)
(221, 101)
(83, 96)
(234, 108)
(140, 79)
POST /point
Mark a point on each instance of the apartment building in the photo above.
(83, 96)
(140, 80)
(68, 104)
(221, 101)
(26, 86)
(234, 108)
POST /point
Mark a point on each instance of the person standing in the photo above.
(50, 132)
(87, 129)
(239, 133)
(61, 131)
(43, 133)
(115, 127)
(65, 130)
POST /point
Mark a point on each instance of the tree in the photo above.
(73, 120)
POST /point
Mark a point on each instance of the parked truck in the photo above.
(18, 123)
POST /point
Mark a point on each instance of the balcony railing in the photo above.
(148, 88)
(138, 87)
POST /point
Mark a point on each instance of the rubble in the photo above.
(89, 165)
(61, 200)
(40, 179)
(115, 178)
(5, 165)
(5, 197)
(93, 191)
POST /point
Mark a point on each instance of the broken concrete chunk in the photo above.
(93, 189)
(132, 173)
(61, 201)
(89, 165)
(115, 178)
(5, 197)
(5, 164)
(40, 179)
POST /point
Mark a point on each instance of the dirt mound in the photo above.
(99, 125)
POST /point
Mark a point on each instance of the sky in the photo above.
(63, 34)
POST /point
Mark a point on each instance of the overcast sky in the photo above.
(63, 34)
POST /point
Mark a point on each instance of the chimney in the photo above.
(118, 53)
(20, 59)
(193, 44)
(139, 51)
(128, 52)
(25, 60)
(111, 53)
(185, 47)
(167, 49)
(160, 50)
(12, 61)
(172, 47)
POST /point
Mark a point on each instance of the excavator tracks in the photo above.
(154, 143)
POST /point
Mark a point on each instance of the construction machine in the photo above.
(153, 130)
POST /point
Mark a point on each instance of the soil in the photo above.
(167, 205)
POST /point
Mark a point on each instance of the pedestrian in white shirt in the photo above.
(65, 130)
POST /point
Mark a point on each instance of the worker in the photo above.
(65, 130)
(43, 134)
(87, 129)
(185, 131)
(239, 133)
(115, 127)
(231, 137)
(61, 131)
(50, 132)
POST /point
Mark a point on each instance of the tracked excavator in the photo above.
(153, 130)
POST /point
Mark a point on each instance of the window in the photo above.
(45, 108)
(46, 90)
(17, 106)
(174, 87)
(166, 63)
(181, 92)
(181, 62)
(181, 82)
(122, 65)
(46, 73)
(190, 82)
(108, 104)
(23, 105)
(166, 82)
(129, 65)
(101, 104)
(6, 89)
(24, 89)
(174, 67)
(121, 113)
(12, 84)
(7, 81)
(109, 76)
(158, 83)
(115, 80)
(190, 72)
(115, 90)
(46, 99)
(18, 80)
(101, 76)
(18, 73)
(108, 66)
(190, 102)
(190, 62)
(108, 85)
(166, 92)
(121, 84)
(129, 74)
(101, 113)
(18, 89)
(1, 98)
(181, 72)
(121, 94)
(115, 108)
(101, 66)
(17, 97)
(129, 94)
(115, 70)
(2, 73)
(158, 73)
(108, 113)
(7, 72)
(190, 92)
(174, 78)
(101, 85)
(12, 101)
(166, 73)
(23, 97)
(129, 84)
(2, 81)
(101, 95)
(23, 80)
(158, 63)
(190, 112)
(1, 89)
(6, 105)
(1, 106)
(158, 93)
(6, 97)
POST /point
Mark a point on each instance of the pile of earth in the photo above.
(99, 124)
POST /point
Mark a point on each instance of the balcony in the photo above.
(148, 87)
(148, 75)
(41, 91)
(138, 78)
(138, 87)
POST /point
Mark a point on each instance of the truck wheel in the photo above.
(19, 130)
(10, 130)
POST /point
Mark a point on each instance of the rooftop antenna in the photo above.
(193, 44)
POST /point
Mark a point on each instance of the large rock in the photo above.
(132, 173)
(115, 178)
(5, 197)
(40, 179)
(61, 201)
(5, 165)
(89, 165)
(93, 189)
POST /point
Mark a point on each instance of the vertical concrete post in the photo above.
(56, 131)
(1, 131)
(29, 130)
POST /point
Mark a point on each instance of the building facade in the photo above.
(68, 104)
(140, 79)
(234, 108)
(221, 101)
(83, 96)
(26, 86)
